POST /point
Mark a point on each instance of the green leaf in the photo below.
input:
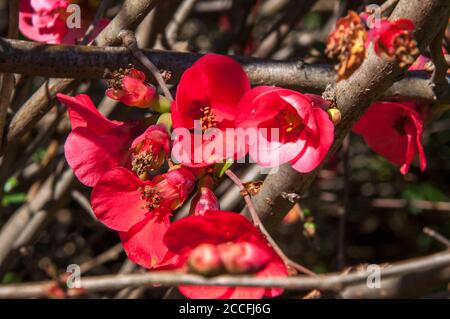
(10, 278)
(10, 184)
(220, 168)
(17, 198)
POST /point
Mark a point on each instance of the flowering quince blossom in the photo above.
(208, 95)
(395, 40)
(128, 87)
(394, 130)
(96, 144)
(45, 21)
(291, 126)
(140, 210)
(223, 242)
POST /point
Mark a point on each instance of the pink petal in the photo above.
(315, 151)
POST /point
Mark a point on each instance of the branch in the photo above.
(8, 80)
(272, 40)
(353, 96)
(409, 272)
(83, 62)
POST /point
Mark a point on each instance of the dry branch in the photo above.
(83, 62)
(439, 264)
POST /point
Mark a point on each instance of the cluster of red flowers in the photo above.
(136, 187)
(124, 162)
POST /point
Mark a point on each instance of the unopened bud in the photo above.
(243, 258)
(309, 229)
(166, 120)
(203, 201)
(205, 260)
(335, 115)
(161, 105)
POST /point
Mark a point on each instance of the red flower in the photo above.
(394, 130)
(240, 247)
(95, 144)
(395, 40)
(140, 210)
(208, 92)
(128, 87)
(45, 21)
(291, 127)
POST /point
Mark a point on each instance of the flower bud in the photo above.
(166, 120)
(203, 201)
(205, 260)
(243, 258)
(335, 115)
(161, 105)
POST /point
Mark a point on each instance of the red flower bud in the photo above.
(203, 201)
(205, 260)
(243, 258)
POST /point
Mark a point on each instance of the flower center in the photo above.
(399, 125)
(208, 118)
(116, 77)
(290, 123)
(405, 49)
(151, 196)
(143, 161)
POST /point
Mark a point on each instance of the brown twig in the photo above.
(129, 40)
(7, 80)
(272, 39)
(345, 153)
(103, 6)
(180, 16)
(406, 271)
(81, 62)
(257, 222)
(439, 76)
(437, 236)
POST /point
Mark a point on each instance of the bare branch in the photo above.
(409, 271)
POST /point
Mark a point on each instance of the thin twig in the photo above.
(129, 40)
(439, 76)
(104, 4)
(437, 264)
(178, 19)
(437, 236)
(7, 80)
(345, 199)
(257, 222)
